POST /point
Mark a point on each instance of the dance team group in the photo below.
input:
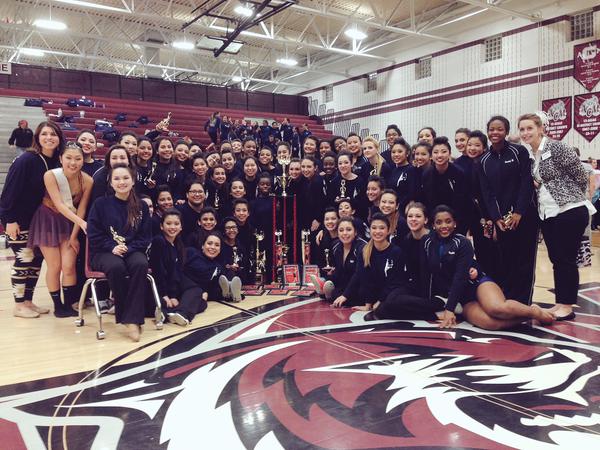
(392, 225)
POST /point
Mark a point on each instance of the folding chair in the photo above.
(93, 277)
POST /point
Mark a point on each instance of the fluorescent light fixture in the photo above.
(243, 10)
(31, 52)
(50, 24)
(355, 33)
(287, 61)
(93, 5)
(183, 45)
(236, 78)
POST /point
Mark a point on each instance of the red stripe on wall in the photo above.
(454, 95)
(452, 88)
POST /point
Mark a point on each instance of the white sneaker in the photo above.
(328, 288)
(236, 289)
(317, 283)
(178, 319)
(224, 285)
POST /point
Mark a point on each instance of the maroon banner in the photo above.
(587, 64)
(559, 115)
(587, 115)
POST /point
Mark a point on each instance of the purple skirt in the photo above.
(48, 228)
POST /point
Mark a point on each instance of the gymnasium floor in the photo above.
(274, 373)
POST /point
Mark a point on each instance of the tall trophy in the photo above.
(281, 250)
(283, 178)
(305, 247)
(261, 260)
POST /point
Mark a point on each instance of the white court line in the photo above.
(591, 300)
(558, 333)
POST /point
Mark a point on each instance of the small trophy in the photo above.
(120, 240)
(342, 195)
(148, 178)
(236, 258)
(216, 204)
(305, 247)
(328, 265)
(281, 250)
(261, 260)
(283, 178)
(507, 218)
(163, 125)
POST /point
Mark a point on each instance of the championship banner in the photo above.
(587, 115)
(586, 64)
(558, 111)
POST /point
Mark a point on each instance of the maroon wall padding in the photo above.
(190, 94)
(216, 97)
(260, 101)
(70, 81)
(132, 88)
(159, 90)
(30, 77)
(237, 99)
(105, 84)
(50, 80)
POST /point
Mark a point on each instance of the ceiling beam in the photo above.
(503, 10)
(370, 24)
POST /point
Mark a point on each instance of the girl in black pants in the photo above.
(204, 267)
(119, 233)
(181, 297)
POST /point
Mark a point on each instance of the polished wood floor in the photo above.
(47, 347)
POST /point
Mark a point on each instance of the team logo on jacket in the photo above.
(267, 384)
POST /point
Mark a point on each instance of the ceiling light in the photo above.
(236, 78)
(287, 61)
(31, 52)
(49, 24)
(183, 45)
(94, 5)
(355, 33)
(243, 10)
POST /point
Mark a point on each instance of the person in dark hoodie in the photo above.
(119, 233)
(21, 196)
(181, 297)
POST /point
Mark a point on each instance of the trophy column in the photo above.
(285, 234)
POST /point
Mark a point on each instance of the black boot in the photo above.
(59, 309)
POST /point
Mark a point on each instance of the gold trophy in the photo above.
(163, 125)
(281, 250)
(342, 195)
(217, 199)
(507, 218)
(236, 258)
(261, 259)
(150, 174)
(283, 178)
(120, 240)
(305, 247)
(328, 265)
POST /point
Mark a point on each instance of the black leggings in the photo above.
(26, 269)
(398, 305)
(129, 293)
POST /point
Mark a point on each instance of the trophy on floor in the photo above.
(328, 265)
(305, 247)
(261, 260)
(283, 178)
(281, 250)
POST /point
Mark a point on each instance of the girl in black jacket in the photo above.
(204, 267)
(449, 257)
(181, 297)
(236, 261)
(119, 233)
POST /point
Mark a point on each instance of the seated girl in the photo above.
(236, 262)
(119, 232)
(449, 257)
(203, 266)
(181, 297)
(341, 287)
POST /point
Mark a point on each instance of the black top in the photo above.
(310, 201)
(166, 267)
(345, 276)
(447, 264)
(448, 188)
(24, 188)
(100, 187)
(404, 180)
(91, 167)
(353, 189)
(415, 261)
(384, 274)
(367, 170)
(189, 219)
(111, 212)
(506, 180)
(226, 257)
(21, 137)
(204, 271)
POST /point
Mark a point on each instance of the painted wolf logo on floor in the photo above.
(337, 383)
